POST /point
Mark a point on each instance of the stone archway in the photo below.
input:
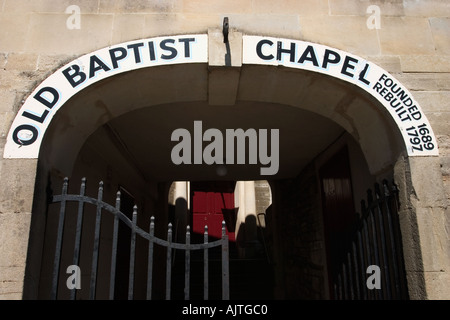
(365, 114)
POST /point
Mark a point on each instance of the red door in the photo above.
(213, 202)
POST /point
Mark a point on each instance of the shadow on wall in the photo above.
(249, 239)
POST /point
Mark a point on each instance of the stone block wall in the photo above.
(411, 40)
(303, 246)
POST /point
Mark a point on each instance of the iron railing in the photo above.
(101, 206)
(376, 241)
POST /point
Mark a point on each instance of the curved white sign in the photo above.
(412, 122)
(29, 126)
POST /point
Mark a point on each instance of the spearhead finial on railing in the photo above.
(152, 221)
(100, 191)
(118, 196)
(223, 229)
(135, 215)
(65, 185)
(169, 232)
(152, 226)
(83, 186)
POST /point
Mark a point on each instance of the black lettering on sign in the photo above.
(259, 49)
(187, 46)
(346, 65)
(136, 50)
(49, 97)
(420, 137)
(363, 73)
(290, 51)
(42, 99)
(36, 117)
(309, 55)
(74, 75)
(96, 64)
(116, 55)
(164, 45)
(327, 58)
(23, 140)
(398, 98)
(151, 49)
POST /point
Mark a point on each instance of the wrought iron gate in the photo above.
(376, 241)
(101, 206)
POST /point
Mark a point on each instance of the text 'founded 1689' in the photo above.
(414, 126)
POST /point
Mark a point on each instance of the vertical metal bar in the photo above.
(169, 262)
(225, 265)
(354, 254)
(335, 289)
(96, 243)
(372, 221)
(362, 264)
(132, 255)
(150, 259)
(112, 279)
(339, 285)
(59, 235)
(205, 266)
(344, 281)
(375, 245)
(396, 279)
(368, 255)
(387, 290)
(350, 277)
(366, 260)
(187, 263)
(76, 250)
